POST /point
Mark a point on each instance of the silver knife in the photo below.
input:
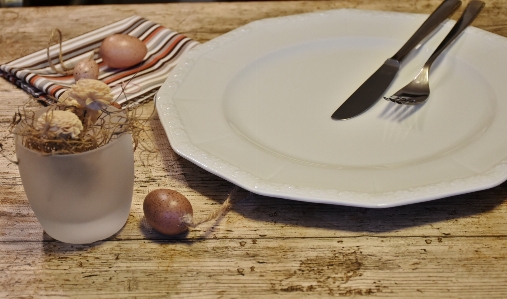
(375, 86)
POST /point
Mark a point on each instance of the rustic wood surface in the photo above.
(264, 247)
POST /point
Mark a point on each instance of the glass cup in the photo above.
(80, 198)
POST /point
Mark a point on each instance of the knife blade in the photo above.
(375, 86)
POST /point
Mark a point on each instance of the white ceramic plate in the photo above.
(254, 107)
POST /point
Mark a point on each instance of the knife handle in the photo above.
(438, 16)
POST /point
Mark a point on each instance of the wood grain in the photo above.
(264, 247)
(410, 267)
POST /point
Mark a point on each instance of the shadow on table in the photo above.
(365, 220)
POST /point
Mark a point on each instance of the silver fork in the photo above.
(418, 91)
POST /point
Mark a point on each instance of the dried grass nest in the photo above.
(84, 118)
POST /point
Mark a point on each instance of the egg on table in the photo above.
(167, 210)
(122, 51)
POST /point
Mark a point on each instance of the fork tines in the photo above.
(400, 100)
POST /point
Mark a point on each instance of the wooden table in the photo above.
(264, 247)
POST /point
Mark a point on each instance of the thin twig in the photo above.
(66, 71)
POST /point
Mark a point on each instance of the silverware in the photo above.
(373, 88)
(418, 91)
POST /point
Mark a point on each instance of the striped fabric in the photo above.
(33, 74)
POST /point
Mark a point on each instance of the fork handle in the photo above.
(471, 12)
(437, 17)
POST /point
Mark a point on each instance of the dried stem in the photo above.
(110, 125)
(66, 71)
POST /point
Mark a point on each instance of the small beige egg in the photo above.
(122, 51)
(86, 69)
(165, 209)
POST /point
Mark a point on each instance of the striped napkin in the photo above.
(33, 73)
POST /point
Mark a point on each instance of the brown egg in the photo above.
(86, 69)
(164, 209)
(122, 51)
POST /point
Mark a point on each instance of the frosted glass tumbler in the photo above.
(80, 198)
